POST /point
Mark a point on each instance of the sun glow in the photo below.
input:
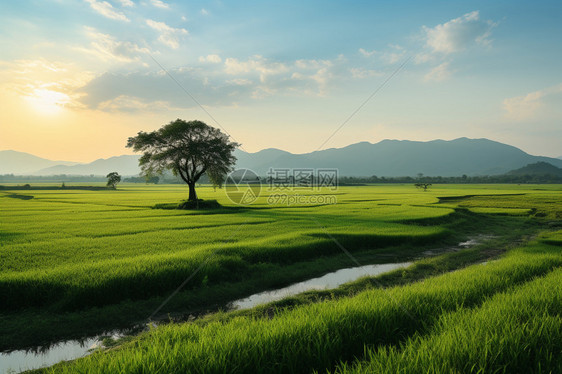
(47, 101)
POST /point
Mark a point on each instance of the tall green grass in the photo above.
(70, 254)
(318, 336)
(78, 249)
(519, 331)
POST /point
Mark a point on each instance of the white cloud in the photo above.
(459, 33)
(228, 82)
(159, 4)
(43, 82)
(262, 92)
(126, 3)
(214, 59)
(309, 77)
(438, 73)
(255, 63)
(168, 35)
(240, 82)
(395, 54)
(526, 107)
(204, 12)
(133, 104)
(359, 73)
(322, 77)
(107, 48)
(366, 53)
(421, 58)
(312, 64)
(107, 10)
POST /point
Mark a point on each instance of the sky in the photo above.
(77, 78)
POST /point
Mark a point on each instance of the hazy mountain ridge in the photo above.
(538, 168)
(14, 162)
(393, 158)
(125, 165)
(389, 158)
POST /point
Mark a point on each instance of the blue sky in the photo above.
(79, 77)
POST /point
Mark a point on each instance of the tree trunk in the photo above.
(192, 193)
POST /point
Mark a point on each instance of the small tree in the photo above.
(188, 149)
(424, 186)
(112, 179)
(152, 179)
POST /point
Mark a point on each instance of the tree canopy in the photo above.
(112, 179)
(187, 148)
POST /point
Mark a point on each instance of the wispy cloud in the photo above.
(255, 63)
(160, 4)
(360, 73)
(521, 108)
(439, 73)
(366, 53)
(168, 35)
(126, 3)
(449, 38)
(240, 82)
(124, 103)
(214, 59)
(459, 33)
(35, 80)
(108, 48)
(219, 82)
(107, 10)
(204, 12)
(394, 54)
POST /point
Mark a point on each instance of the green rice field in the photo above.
(78, 262)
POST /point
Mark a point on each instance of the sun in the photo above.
(47, 101)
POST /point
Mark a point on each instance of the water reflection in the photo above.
(328, 281)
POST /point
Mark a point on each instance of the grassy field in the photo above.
(503, 315)
(76, 262)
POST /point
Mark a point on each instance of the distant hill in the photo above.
(394, 158)
(14, 162)
(539, 168)
(388, 158)
(125, 165)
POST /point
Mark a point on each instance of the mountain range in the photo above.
(394, 158)
(389, 158)
(539, 168)
(13, 162)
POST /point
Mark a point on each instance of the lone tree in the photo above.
(112, 179)
(423, 186)
(189, 149)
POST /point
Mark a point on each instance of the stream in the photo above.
(21, 360)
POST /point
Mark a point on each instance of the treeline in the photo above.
(504, 178)
(60, 178)
(64, 178)
(163, 179)
(342, 181)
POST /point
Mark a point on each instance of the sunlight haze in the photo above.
(77, 78)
